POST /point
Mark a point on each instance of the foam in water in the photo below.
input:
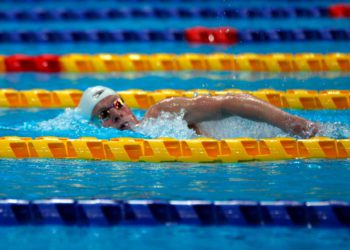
(235, 126)
(334, 130)
(69, 119)
(173, 125)
(166, 125)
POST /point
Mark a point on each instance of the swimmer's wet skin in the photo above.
(106, 107)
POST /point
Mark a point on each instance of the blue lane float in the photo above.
(154, 212)
(54, 36)
(66, 14)
(202, 35)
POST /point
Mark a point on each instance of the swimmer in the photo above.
(105, 107)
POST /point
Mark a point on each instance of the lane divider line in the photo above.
(173, 150)
(134, 98)
(107, 63)
(108, 212)
(68, 14)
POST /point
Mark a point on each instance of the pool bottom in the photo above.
(172, 237)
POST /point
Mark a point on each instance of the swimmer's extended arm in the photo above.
(207, 108)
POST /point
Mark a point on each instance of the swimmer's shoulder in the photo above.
(171, 105)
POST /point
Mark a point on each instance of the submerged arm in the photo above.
(207, 108)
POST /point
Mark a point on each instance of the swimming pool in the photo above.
(297, 180)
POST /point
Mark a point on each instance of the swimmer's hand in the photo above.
(304, 128)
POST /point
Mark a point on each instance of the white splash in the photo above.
(334, 130)
(166, 125)
(173, 125)
(234, 127)
(70, 119)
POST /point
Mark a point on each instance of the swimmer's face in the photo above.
(113, 112)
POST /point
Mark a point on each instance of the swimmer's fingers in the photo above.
(304, 128)
(312, 129)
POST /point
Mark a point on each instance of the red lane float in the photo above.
(48, 63)
(20, 63)
(222, 35)
(24, 63)
(339, 10)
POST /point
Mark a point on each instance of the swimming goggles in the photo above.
(105, 115)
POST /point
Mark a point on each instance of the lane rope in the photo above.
(221, 35)
(108, 212)
(69, 98)
(67, 14)
(107, 63)
(173, 150)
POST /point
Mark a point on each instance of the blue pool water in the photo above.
(175, 24)
(179, 237)
(301, 180)
(174, 47)
(181, 80)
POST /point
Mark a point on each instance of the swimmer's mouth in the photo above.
(124, 126)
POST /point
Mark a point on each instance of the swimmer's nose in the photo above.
(118, 117)
(115, 114)
(122, 118)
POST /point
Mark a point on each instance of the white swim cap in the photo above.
(91, 97)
